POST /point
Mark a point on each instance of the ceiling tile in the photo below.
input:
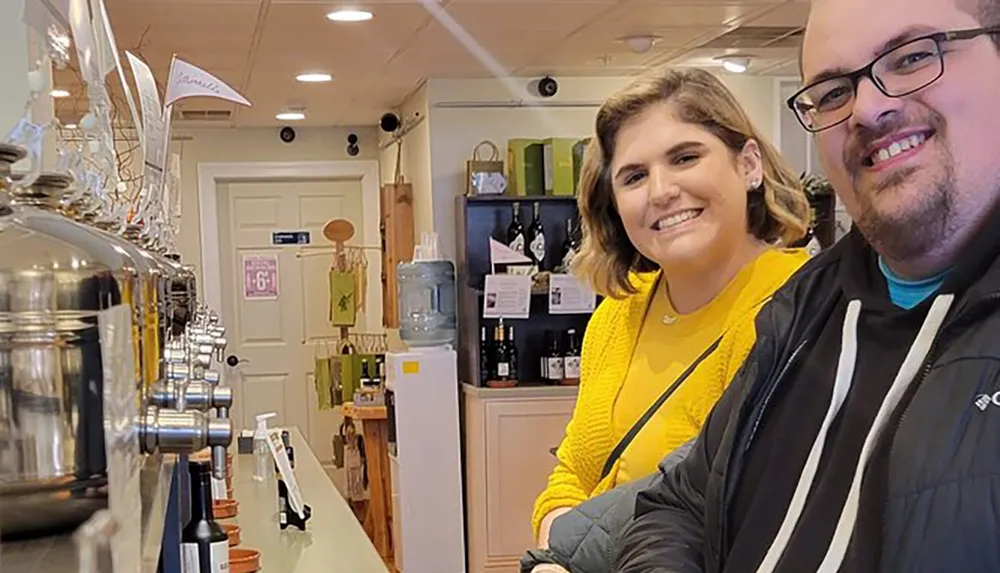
(298, 38)
(657, 13)
(518, 16)
(438, 52)
(789, 14)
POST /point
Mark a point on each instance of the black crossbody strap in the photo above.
(648, 414)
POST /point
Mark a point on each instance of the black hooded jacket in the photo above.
(925, 496)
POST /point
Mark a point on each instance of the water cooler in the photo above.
(426, 469)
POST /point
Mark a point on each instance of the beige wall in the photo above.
(455, 131)
(415, 159)
(252, 145)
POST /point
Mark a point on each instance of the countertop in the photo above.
(333, 542)
(520, 392)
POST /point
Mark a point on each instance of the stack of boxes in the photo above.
(537, 167)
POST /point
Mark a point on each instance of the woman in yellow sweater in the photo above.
(684, 208)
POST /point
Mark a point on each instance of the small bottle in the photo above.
(204, 545)
(500, 358)
(554, 368)
(366, 379)
(536, 239)
(485, 364)
(263, 460)
(512, 354)
(571, 359)
(515, 231)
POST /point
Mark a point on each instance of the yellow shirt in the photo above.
(665, 348)
(602, 405)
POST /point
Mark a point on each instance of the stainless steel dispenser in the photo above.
(57, 279)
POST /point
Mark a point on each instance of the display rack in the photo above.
(478, 219)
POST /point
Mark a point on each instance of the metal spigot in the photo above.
(172, 432)
(198, 395)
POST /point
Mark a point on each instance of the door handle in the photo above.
(235, 361)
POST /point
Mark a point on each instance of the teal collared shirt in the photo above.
(905, 293)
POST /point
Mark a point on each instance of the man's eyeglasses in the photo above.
(901, 71)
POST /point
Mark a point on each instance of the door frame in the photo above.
(211, 175)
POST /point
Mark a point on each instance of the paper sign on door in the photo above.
(260, 277)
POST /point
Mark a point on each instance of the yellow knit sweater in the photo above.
(608, 346)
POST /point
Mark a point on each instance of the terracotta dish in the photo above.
(233, 531)
(225, 508)
(244, 560)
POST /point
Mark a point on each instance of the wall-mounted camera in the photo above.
(287, 134)
(352, 145)
(389, 122)
(544, 87)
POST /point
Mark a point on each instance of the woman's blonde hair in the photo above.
(777, 212)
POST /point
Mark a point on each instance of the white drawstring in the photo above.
(845, 372)
(907, 372)
(841, 386)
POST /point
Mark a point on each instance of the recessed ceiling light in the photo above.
(70, 126)
(314, 78)
(736, 65)
(290, 116)
(59, 93)
(349, 16)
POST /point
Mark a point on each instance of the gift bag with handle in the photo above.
(485, 173)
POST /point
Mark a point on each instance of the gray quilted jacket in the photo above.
(586, 539)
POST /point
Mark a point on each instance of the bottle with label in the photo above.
(536, 240)
(570, 246)
(204, 545)
(515, 231)
(500, 358)
(485, 355)
(379, 379)
(571, 358)
(553, 358)
(511, 354)
(263, 460)
(366, 379)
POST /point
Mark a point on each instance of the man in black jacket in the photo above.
(863, 432)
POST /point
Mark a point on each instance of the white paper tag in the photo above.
(280, 455)
(569, 295)
(507, 296)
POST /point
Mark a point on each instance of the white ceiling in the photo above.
(259, 46)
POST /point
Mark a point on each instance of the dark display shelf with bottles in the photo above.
(544, 229)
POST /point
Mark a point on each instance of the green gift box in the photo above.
(525, 167)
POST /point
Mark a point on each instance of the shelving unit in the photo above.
(479, 219)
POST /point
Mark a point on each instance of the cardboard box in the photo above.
(525, 167)
(563, 157)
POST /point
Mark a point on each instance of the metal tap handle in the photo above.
(219, 462)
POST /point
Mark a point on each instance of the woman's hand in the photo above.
(543, 529)
(548, 568)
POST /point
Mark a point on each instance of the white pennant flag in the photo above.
(186, 80)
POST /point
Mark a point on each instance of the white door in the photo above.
(277, 336)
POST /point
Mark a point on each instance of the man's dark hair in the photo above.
(987, 12)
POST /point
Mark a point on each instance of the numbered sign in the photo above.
(260, 277)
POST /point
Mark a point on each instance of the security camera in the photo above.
(287, 134)
(547, 87)
(389, 122)
(352, 145)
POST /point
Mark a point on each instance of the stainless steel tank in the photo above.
(57, 279)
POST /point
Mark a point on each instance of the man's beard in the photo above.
(910, 230)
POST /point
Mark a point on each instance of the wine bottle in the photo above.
(536, 239)
(366, 379)
(204, 545)
(515, 231)
(554, 358)
(511, 354)
(485, 363)
(500, 357)
(571, 358)
(570, 247)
